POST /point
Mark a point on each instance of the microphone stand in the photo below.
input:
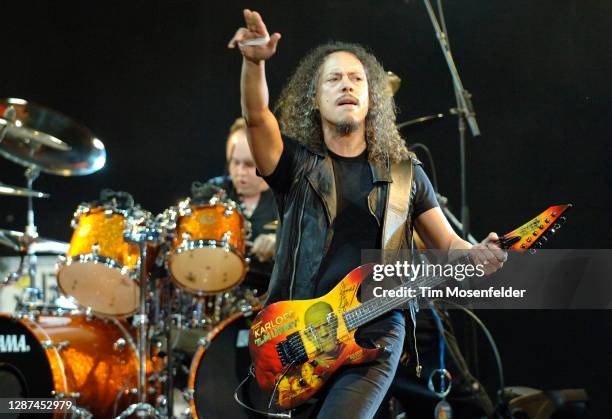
(465, 112)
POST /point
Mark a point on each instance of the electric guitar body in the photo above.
(296, 346)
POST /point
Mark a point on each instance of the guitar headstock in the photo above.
(532, 234)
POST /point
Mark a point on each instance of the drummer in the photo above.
(258, 204)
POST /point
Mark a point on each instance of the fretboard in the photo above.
(378, 306)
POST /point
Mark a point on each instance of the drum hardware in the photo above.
(29, 136)
(418, 121)
(48, 344)
(16, 191)
(142, 235)
(393, 82)
(17, 241)
(10, 124)
(38, 137)
(188, 395)
(203, 342)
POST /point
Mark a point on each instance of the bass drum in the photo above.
(220, 364)
(91, 360)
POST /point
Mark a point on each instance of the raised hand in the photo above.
(254, 41)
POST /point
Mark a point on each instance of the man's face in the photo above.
(342, 92)
(242, 167)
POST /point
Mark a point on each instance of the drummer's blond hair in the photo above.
(237, 125)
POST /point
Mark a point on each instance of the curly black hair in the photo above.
(299, 119)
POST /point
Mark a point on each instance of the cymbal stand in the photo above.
(33, 296)
(9, 117)
(142, 236)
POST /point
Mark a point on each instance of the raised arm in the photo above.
(263, 132)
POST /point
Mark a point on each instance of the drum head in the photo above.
(217, 371)
(207, 269)
(24, 368)
(100, 287)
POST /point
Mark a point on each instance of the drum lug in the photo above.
(48, 344)
(139, 319)
(228, 212)
(95, 249)
(82, 209)
(62, 345)
(226, 239)
(203, 342)
(81, 412)
(184, 208)
(108, 213)
(119, 345)
(246, 309)
(188, 395)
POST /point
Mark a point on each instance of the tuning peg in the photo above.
(532, 251)
(557, 226)
(544, 239)
(553, 231)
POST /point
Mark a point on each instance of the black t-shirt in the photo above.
(355, 227)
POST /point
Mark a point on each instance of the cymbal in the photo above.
(16, 241)
(15, 191)
(43, 138)
(36, 136)
(429, 118)
(393, 82)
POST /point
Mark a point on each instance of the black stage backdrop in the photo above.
(156, 83)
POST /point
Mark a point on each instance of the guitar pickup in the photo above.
(292, 350)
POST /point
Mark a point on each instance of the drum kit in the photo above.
(140, 283)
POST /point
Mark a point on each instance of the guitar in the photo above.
(296, 346)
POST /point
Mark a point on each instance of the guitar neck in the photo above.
(378, 306)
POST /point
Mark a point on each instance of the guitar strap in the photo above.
(394, 233)
(398, 203)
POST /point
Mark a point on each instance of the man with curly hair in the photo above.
(327, 158)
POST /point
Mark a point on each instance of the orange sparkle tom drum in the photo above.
(207, 254)
(92, 360)
(100, 269)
